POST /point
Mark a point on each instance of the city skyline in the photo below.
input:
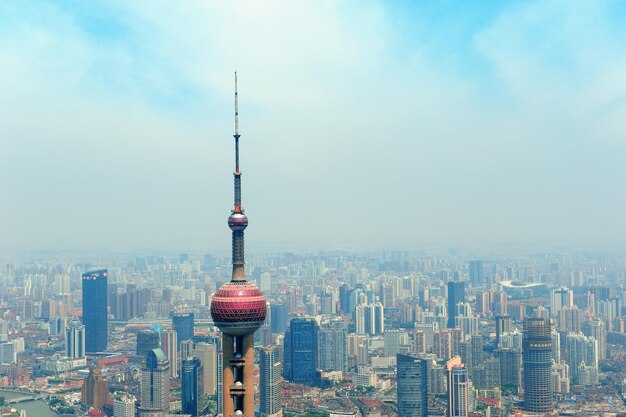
(497, 122)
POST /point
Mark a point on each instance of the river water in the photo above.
(33, 408)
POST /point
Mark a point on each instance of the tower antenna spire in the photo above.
(236, 108)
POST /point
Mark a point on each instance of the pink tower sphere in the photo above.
(238, 308)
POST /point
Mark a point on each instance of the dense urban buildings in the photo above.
(95, 316)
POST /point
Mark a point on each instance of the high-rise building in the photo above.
(581, 350)
(561, 298)
(301, 349)
(183, 323)
(458, 388)
(477, 276)
(170, 348)
(596, 328)
(412, 386)
(570, 319)
(510, 367)
(331, 346)
(146, 341)
(207, 353)
(238, 308)
(271, 388)
(155, 385)
(124, 405)
(185, 350)
(456, 294)
(95, 390)
(192, 392)
(75, 339)
(95, 316)
(219, 388)
(504, 324)
(465, 319)
(370, 318)
(537, 365)
(278, 317)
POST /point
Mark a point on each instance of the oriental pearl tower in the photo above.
(238, 308)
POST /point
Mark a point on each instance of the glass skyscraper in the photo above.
(184, 326)
(95, 310)
(301, 349)
(412, 386)
(456, 294)
(191, 378)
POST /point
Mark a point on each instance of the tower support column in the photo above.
(228, 349)
(248, 374)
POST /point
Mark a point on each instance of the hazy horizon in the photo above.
(364, 124)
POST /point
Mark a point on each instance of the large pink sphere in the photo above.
(238, 308)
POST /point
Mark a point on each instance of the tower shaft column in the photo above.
(228, 349)
(248, 375)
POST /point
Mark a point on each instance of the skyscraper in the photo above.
(207, 353)
(412, 386)
(301, 349)
(537, 364)
(191, 378)
(332, 353)
(183, 323)
(458, 388)
(146, 341)
(477, 276)
(95, 310)
(504, 324)
(124, 405)
(170, 348)
(456, 294)
(75, 339)
(155, 385)
(95, 390)
(238, 308)
(271, 389)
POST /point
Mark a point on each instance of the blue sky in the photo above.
(472, 122)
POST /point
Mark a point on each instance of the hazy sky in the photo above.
(363, 122)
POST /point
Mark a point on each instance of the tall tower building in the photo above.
(332, 351)
(301, 349)
(191, 378)
(504, 324)
(124, 405)
(95, 316)
(412, 386)
(75, 339)
(146, 341)
(170, 348)
(155, 385)
(458, 388)
(476, 272)
(207, 353)
(183, 323)
(271, 389)
(537, 364)
(561, 298)
(238, 308)
(95, 390)
(456, 294)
